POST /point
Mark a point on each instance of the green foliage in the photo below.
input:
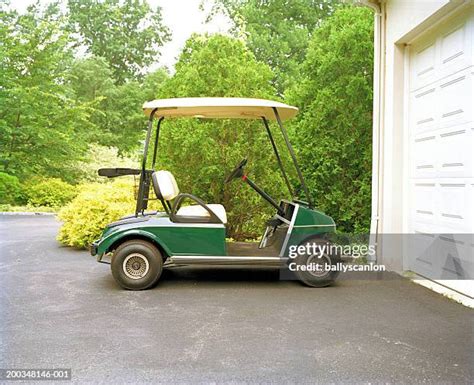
(41, 124)
(96, 205)
(126, 33)
(278, 31)
(101, 157)
(333, 131)
(117, 117)
(202, 153)
(91, 78)
(51, 192)
(10, 189)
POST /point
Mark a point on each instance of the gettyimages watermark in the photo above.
(328, 257)
(354, 251)
(384, 256)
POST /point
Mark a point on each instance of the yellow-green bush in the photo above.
(96, 205)
(50, 192)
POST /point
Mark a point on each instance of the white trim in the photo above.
(284, 220)
(440, 289)
(451, 9)
(406, 153)
(290, 229)
(187, 224)
(377, 121)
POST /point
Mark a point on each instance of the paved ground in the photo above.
(61, 309)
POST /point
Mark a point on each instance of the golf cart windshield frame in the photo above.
(145, 174)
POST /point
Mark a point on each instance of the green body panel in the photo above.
(315, 218)
(203, 239)
(308, 223)
(174, 238)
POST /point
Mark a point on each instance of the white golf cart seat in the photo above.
(165, 185)
(199, 211)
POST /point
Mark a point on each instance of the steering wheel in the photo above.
(237, 172)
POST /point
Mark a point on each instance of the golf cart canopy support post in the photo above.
(144, 185)
(147, 139)
(166, 205)
(293, 157)
(157, 136)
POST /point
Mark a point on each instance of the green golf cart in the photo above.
(139, 246)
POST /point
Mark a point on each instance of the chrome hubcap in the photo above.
(136, 266)
(318, 265)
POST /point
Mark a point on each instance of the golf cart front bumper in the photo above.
(94, 246)
(101, 257)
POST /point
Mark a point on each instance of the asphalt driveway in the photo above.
(61, 309)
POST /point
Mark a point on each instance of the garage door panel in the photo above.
(455, 156)
(424, 202)
(445, 103)
(424, 104)
(424, 154)
(424, 65)
(447, 153)
(440, 149)
(455, 99)
(452, 207)
(435, 57)
(455, 49)
(444, 258)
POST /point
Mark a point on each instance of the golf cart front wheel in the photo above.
(136, 265)
(316, 269)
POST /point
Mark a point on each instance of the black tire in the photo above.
(136, 265)
(317, 278)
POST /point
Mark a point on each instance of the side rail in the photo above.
(213, 218)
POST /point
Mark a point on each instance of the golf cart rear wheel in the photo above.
(136, 265)
(316, 271)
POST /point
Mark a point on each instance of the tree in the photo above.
(277, 31)
(201, 152)
(117, 117)
(126, 33)
(41, 125)
(333, 131)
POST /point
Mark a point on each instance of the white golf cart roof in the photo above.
(240, 108)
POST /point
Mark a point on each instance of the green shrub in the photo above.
(333, 132)
(51, 192)
(96, 205)
(10, 189)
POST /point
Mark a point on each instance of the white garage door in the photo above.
(441, 150)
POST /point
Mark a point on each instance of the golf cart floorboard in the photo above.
(238, 254)
(244, 249)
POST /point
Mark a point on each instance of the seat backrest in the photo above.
(165, 185)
